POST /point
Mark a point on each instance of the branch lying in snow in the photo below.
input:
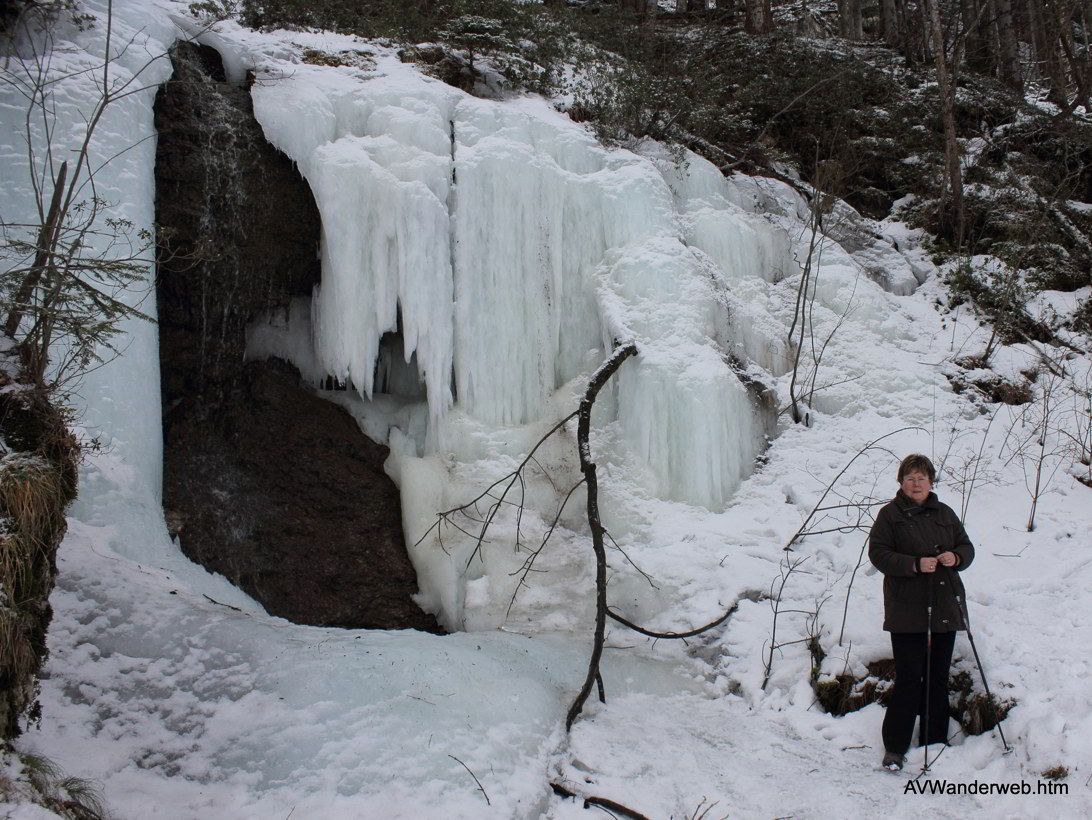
(675, 635)
(601, 802)
(485, 519)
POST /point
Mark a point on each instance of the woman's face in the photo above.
(916, 486)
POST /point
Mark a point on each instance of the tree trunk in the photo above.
(915, 24)
(759, 19)
(973, 16)
(642, 9)
(951, 199)
(43, 255)
(1077, 55)
(1045, 35)
(1008, 54)
(850, 21)
(587, 467)
(889, 24)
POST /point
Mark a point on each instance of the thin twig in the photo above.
(481, 788)
(870, 446)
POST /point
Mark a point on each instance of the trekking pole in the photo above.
(928, 669)
(978, 660)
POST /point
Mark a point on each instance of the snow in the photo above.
(515, 251)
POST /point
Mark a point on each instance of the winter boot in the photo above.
(892, 761)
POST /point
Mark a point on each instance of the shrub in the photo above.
(37, 481)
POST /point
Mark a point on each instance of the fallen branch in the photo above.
(674, 635)
(800, 533)
(601, 802)
(485, 521)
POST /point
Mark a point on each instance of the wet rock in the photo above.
(287, 499)
(264, 482)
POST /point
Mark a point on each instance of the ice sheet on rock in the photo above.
(682, 409)
(236, 59)
(863, 239)
(743, 245)
(527, 235)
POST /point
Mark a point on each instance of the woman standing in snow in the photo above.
(920, 546)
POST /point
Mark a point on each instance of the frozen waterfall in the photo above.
(510, 250)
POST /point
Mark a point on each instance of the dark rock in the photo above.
(264, 481)
(287, 499)
(238, 226)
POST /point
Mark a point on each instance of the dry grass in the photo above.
(37, 780)
(38, 466)
(32, 502)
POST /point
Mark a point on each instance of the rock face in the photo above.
(264, 482)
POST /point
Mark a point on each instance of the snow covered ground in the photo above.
(185, 700)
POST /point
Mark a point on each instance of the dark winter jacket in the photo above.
(903, 533)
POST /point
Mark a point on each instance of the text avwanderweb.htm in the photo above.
(978, 787)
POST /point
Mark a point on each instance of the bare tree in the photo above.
(1033, 440)
(850, 19)
(758, 16)
(70, 273)
(947, 61)
(787, 568)
(1008, 49)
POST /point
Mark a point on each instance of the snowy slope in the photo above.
(185, 700)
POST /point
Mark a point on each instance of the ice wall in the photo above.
(512, 250)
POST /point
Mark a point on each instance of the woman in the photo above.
(919, 544)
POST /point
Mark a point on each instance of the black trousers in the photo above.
(908, 699)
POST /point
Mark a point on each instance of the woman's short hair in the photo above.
(917, 463)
